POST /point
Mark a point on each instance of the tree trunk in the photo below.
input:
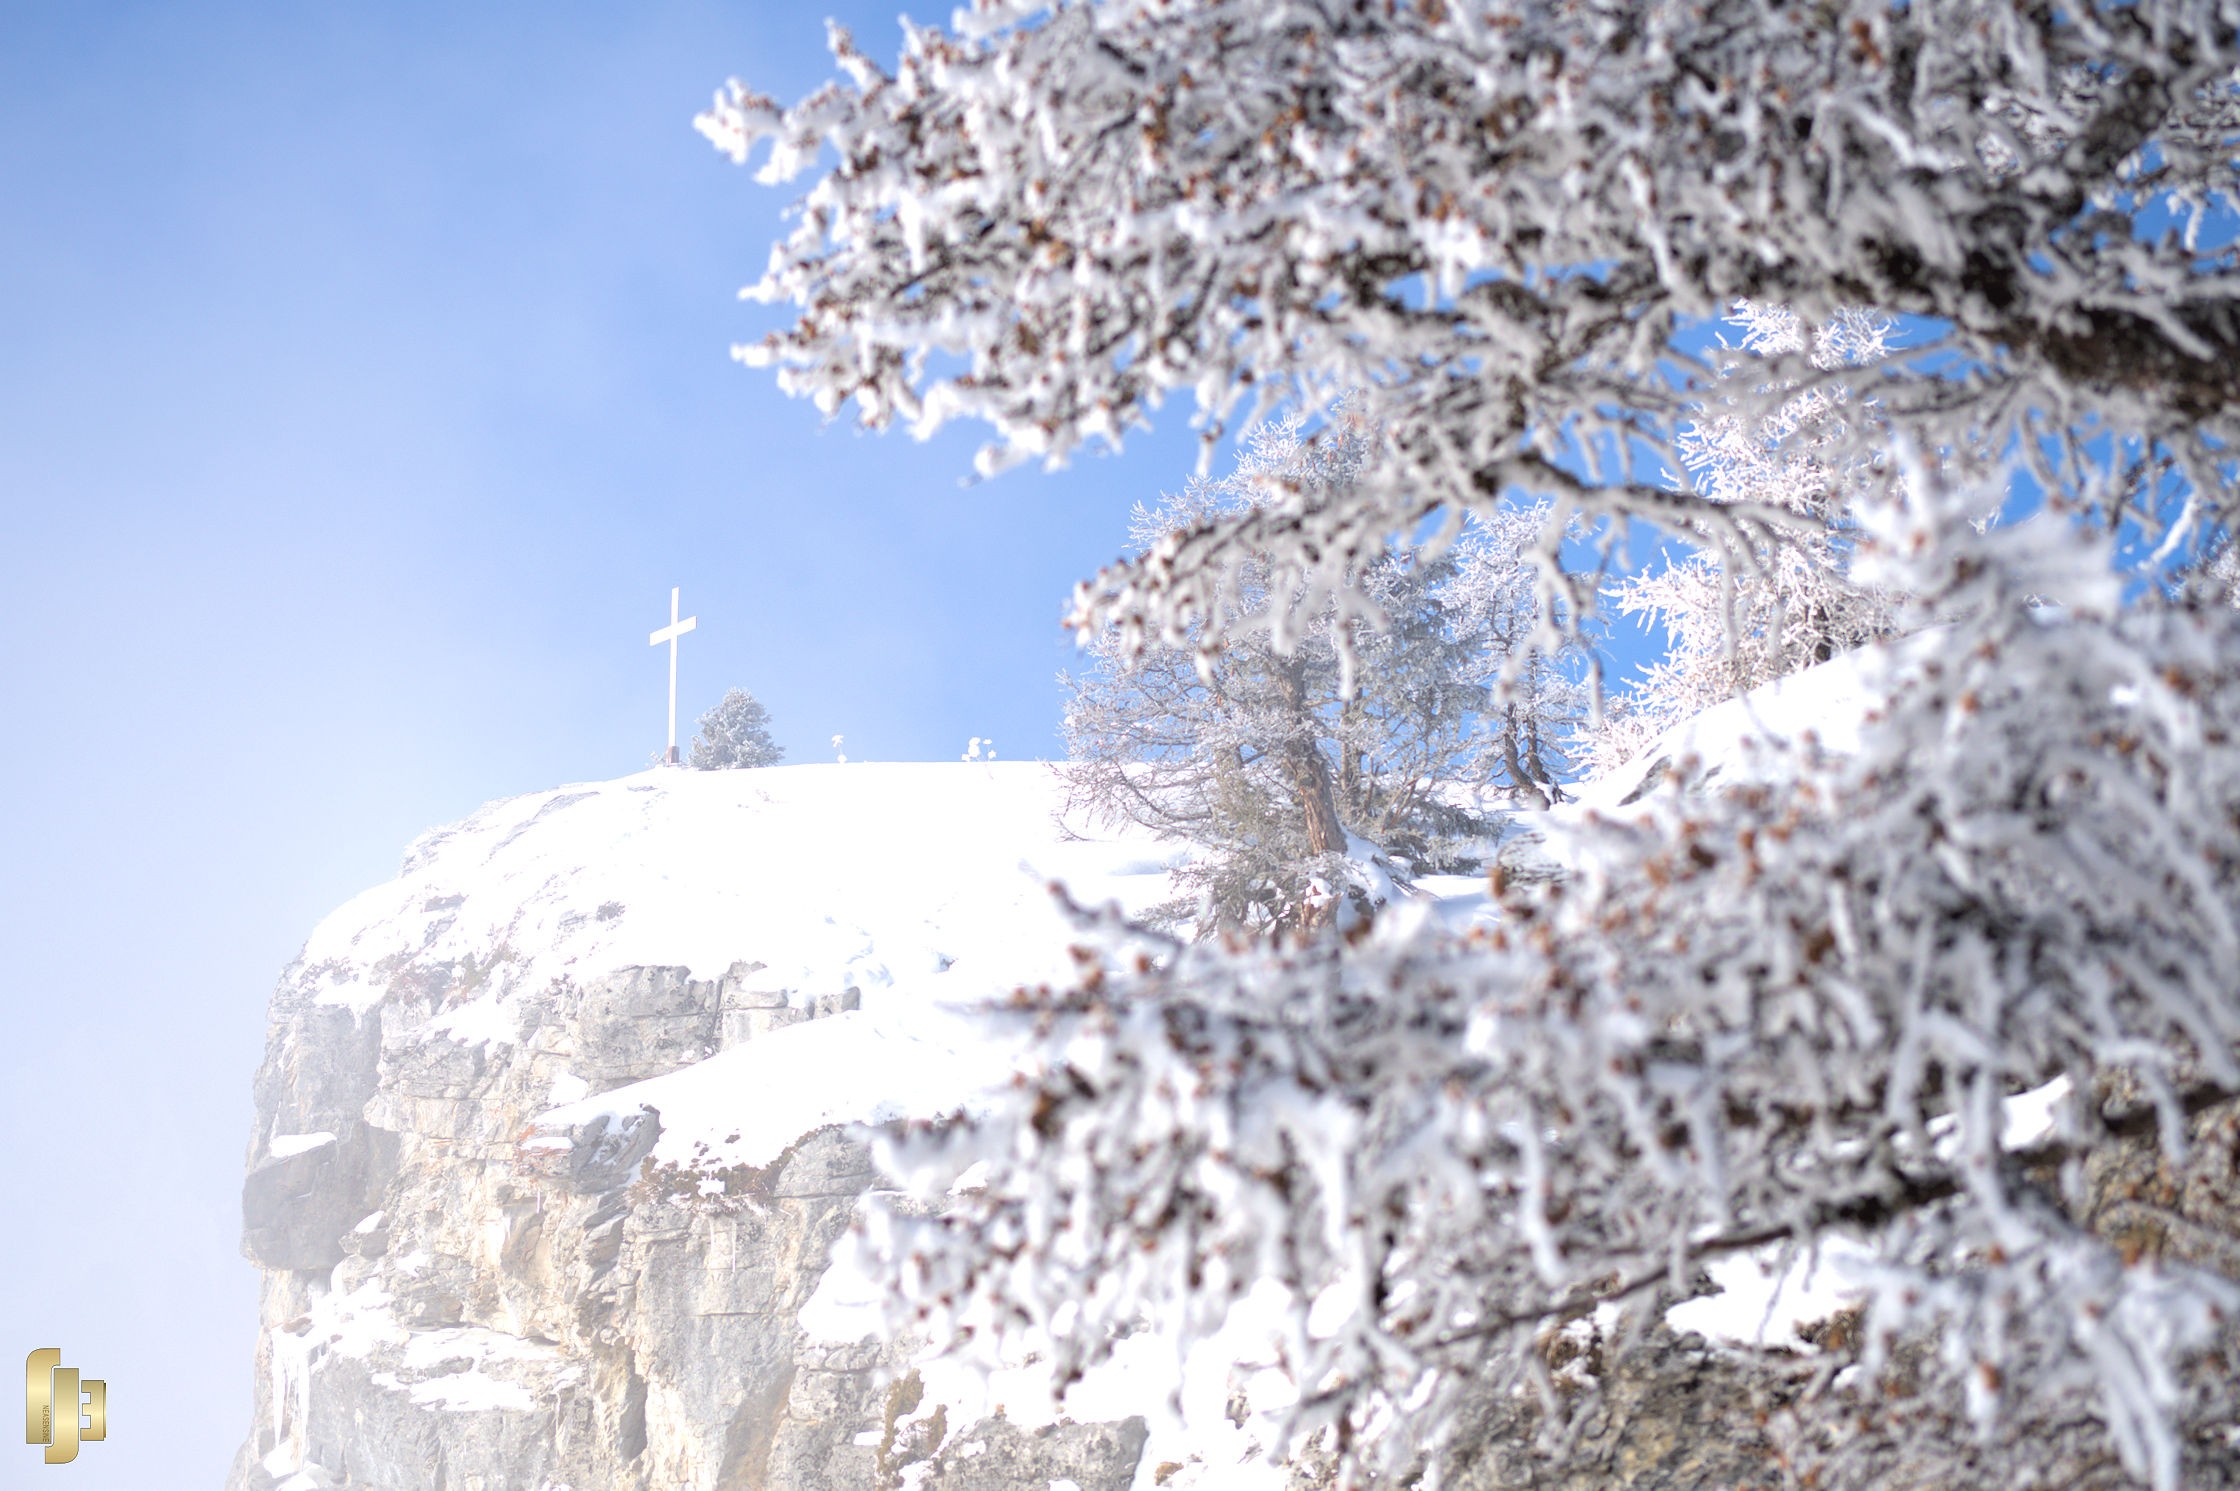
(1820, 630)
(1353, 785)
(1310, 783)
(1521, 777)
(1306, 766)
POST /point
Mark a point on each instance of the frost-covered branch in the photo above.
(1491, 216)
(1740, 612)
(1788, 1010)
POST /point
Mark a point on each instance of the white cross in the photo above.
(669, 634)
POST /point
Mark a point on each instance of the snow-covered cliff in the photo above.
(557, 1132)
(553, 1133)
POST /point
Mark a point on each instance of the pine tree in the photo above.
(736, 733)
(1292, 733)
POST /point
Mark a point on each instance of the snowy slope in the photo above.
(1754, 738)
(1762, 738)
(921, 887)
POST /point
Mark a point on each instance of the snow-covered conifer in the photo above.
(1398, 719)
(735, 733)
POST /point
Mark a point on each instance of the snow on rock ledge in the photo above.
(473, 1070)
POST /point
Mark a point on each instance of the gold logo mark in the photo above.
(49, 1385)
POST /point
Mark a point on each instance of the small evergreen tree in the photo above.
(735, 733)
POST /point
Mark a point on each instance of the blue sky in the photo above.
(366, 385)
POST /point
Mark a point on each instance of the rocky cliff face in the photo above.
(555, 1134)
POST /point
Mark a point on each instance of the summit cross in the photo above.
(669, 634)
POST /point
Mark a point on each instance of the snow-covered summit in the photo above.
(918, 878)
(887, 896)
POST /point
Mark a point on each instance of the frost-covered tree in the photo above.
(735, 733)
(1394, 712)
(1755, 1018)
(1761, 1018)
(1737, 618)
